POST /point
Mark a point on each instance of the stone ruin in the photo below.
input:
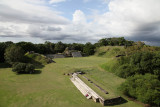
(59, 56)
(67, 53)
(91, 94)
(72, 53)
(76, 54)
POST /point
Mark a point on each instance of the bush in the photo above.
(29, 68)
(124, 71)
(23, 68)
(139, 63)
(145, 88)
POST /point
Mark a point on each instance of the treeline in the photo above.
(53, 48)
(141, 68)
(114, 42)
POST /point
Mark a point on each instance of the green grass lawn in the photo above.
(53, 89)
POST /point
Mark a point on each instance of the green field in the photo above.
(51, 88)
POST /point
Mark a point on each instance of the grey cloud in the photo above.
(6, 36)
(149, 32)
(122, 19)
(57, 37)
(49, 28)
(8, 14)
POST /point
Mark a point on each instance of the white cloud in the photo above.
(136, 19)
(17, 17)
(56, 1)
(29, 12)
(129, 17)
(79, 17)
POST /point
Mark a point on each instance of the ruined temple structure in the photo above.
(67, 53)
(90, 93)
(76, 54)
(72, 53)
(53, 56)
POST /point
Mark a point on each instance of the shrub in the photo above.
(139, 63)
(145, 88)
(29, 68)
(124, 71)
(23, 68)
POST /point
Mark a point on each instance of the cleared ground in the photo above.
(53, 89)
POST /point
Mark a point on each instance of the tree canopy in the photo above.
(14, 54)
(145, 88)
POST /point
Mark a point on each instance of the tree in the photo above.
(103, 42)
(14, 54)
(3, 46)
(59, 47)
(49, 47)
(40, 48)
(77, 46)
(89, 49)
(26, 46)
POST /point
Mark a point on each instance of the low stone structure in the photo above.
(68, 52)
(50, 56)
(76, 54)
(84, 89)
(53, 56)
(96, 85)
(89, 93)
(59, 56)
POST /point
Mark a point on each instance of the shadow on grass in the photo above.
(38, 65)
(37, 72)
(4, 65)
(116, 102)
(32, 73)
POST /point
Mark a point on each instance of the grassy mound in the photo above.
(38, 58)
(110, 51)
(111, 65)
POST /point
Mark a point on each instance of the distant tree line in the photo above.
(53, 48)
(121, 41)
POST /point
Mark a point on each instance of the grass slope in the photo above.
(110, 51)
(53, 89)
(38, 58)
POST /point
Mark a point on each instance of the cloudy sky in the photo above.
(79, 20)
